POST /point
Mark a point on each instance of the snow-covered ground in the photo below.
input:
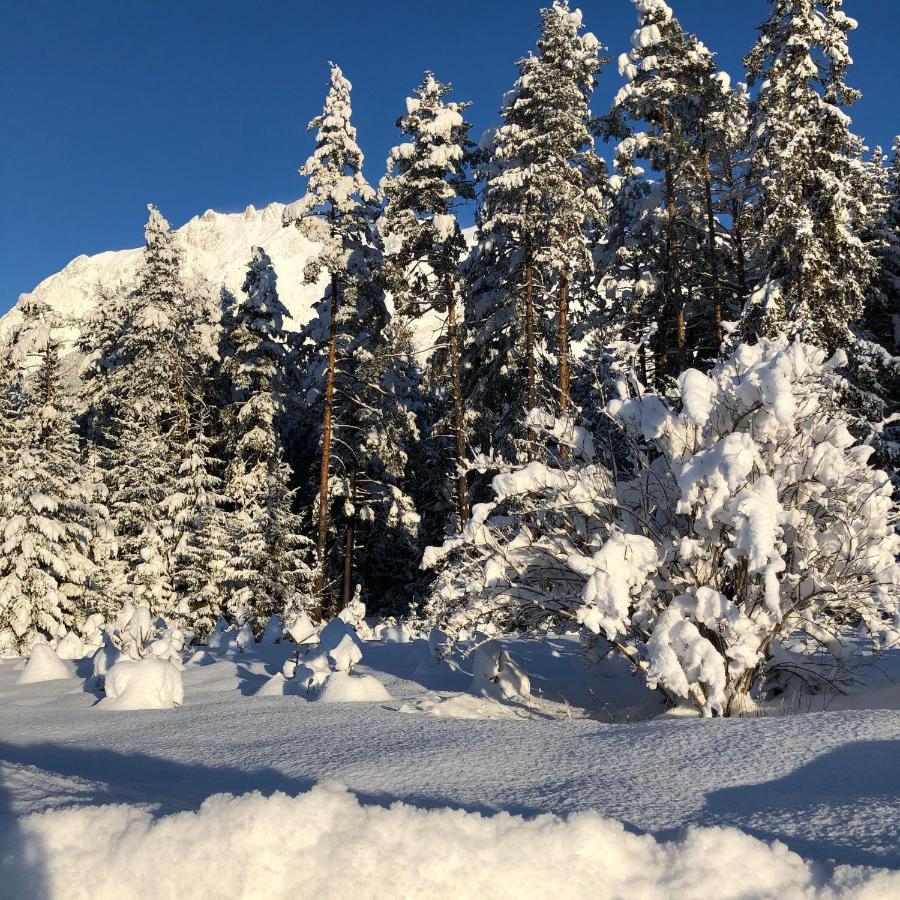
(826, 784)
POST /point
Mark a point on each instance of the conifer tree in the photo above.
(269, 571)
(669, 113)
(426, 178)
(48, 517)
(142, 386)
(337, 211)
(203, 551)
(544, 195)
(809, 210)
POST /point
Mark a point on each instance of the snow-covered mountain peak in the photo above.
(217, 247)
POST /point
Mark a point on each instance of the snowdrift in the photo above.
(327, 844)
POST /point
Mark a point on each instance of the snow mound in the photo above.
(465, 706)
(342, 687)
(328, 845)
(496, 675)
(143, 684)
(44, 665)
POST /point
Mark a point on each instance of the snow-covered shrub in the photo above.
(752, 517)
(344, 687)
(137, 635)
(496, 675)
(43, 665)
(143, 684)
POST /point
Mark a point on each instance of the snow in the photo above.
(824, 783)
(327, 843)
(143, 684)
(43, 665)
(343, 687)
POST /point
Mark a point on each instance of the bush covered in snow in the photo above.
(143, 684)
(749, 535)
(44, 665)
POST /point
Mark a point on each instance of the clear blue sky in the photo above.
(197, 104)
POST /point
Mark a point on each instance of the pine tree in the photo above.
(544, 196)
(269, 573)
(426, 178)
(808, 211)
(337, 211)
(677, 100)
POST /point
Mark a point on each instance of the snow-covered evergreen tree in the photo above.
(141, 387)
(543, 199)
(670, 113)
(426, 178)
(359, 416)
(806, 177)
(203, 552)
(269, 572)
(48, 517)
(337, 210)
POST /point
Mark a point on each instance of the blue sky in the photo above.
(197, 104)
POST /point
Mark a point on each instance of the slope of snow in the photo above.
(217, 249)
(826, 784)
(324, 843)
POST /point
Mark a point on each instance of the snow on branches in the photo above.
(752, 531)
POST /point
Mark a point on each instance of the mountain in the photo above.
(216, 248)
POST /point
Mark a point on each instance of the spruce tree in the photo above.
(48, 516)
(141, 386)
(269, 571)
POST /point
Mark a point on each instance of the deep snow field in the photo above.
(437, 792)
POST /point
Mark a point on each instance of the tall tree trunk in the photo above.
(530, 373)
(737, 233)
(327, 428)
(681, 333)
(564, 348)
(459, 415)
(711, 247)
(670, 304)
(349, 541)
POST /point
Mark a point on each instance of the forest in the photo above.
(661, 409)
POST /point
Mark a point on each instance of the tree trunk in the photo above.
(564, 449)
(530, 374)
(737, 232)
(459, 416)
(681, 332)
(670, 305)
(349, 542)
(327, 427)
(713, 261)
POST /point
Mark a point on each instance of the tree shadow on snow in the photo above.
(842, 806)
(22, 872)
(139, 778)
(250, 682)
